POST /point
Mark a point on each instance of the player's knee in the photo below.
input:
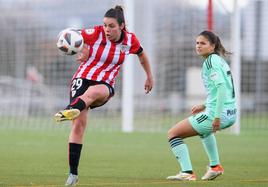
(88, 99)
(175, 132)
(92, 95)
(171, 133)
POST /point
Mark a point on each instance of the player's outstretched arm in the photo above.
(146, 66)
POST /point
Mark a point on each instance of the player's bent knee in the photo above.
(172, 133)
(94, 95)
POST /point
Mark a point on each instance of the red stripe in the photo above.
(90, 43)
(135, 45)
(106, 63)
(96, 59)
(90, 51)
(83, 63)
(75, 101)
(113, 80)
(210, 15)
(107, 74)
(119, 62)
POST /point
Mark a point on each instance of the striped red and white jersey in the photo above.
(105, 57)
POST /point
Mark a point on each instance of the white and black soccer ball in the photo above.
(70, 41)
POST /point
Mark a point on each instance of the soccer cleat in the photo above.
(72, 180)
(183, 177)
(213, 173)
(67, 114)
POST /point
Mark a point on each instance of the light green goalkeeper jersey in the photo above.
(219, 86)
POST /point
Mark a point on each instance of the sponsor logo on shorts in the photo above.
(231, 112)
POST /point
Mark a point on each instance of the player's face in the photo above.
(112, 29)
(203, 47)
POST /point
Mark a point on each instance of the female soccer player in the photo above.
(218, 112)
(106, 48)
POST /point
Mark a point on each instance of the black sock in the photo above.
(213, 166)
(74, 157)
(77, 103)
(189, 172)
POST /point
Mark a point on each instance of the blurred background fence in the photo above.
(35, 77)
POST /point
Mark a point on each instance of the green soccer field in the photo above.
(39, 158)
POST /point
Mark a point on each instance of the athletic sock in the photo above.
(189, 172)
(210, 145)
(180, 150)
(77, 103)
(213, 166)
(74, 157)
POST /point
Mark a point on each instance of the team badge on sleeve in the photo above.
(213, 76)
(90, 31)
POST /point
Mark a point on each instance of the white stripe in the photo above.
(111, 77)
(113, 63)
(128, 44)
(103, 58)
(92, 57)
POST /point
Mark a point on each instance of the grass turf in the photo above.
(39, 158)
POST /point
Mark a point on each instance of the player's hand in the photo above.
(148, 84)
(216, 124)
(83, 55)
(197, 109)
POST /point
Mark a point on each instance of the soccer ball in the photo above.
(70, 41)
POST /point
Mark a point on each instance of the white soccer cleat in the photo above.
(213, 173)
(72, 180)
(67, 114)
(183, 177)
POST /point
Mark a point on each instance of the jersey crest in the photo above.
(123, 48)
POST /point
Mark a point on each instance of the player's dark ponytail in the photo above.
(214, 39)
(118, 13)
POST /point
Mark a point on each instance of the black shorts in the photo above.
(79, 86)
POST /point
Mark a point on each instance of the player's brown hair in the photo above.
(118, 13)
(214, 39)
